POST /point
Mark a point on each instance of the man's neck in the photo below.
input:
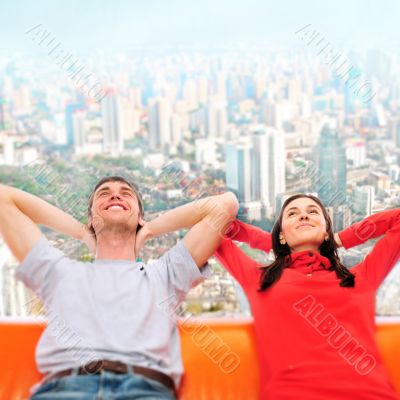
(116, 246)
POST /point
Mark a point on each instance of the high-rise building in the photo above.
(202, 89)
(276, 113)
(206, 151)
(217, 120)
(363, 198)
(260, 83)
(220, 87)
(159, 123)
(380, 182)
(239, 169)
(22, 102)
(135, 97)
(394, 173)
(79, 131)
(255, 167)
(129, 119)
(294, 90)
(8, 150)
(268, 166)
(190, 94)
(2, 113)
(393, 127)
(60, 134)
(340, 216)
(69, 112)
(356, 152)
(88, 137)
(176, 129)
(113, 140)
(330, 160)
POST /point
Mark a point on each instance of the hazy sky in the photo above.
(94, 24)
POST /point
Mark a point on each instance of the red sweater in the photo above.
(316, 339)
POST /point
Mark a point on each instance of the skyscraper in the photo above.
(2, 113)
(206, 151)
(394, 130)
(159, 123)
(217, 120)
(69, 112)
(239, 169)
(79, 131)
(113, 141)
(363, 200)
(356, 152)
(268, 166)
(330, 159)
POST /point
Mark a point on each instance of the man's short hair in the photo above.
(115, 179)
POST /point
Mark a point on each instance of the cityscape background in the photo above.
(192, 99)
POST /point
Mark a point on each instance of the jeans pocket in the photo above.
(47, 387)
(79, 383)
(162, 389)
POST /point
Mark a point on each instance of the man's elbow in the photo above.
(230, 204)
(5, 194)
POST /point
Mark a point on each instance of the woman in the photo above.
(314, 319)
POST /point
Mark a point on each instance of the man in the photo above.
(107, 335)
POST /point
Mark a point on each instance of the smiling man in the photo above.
(109, 336)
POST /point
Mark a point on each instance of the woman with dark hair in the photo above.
(315, 319)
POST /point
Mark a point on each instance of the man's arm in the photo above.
(20, 212)
(208, 219)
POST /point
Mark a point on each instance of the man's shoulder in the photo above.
(177, 250)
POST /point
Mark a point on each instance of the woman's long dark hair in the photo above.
(272, 273)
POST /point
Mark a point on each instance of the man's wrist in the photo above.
(147, 232)
(83, 232)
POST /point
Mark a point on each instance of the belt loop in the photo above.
(130, 369)
(75, 371)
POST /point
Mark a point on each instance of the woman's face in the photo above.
(303, 225)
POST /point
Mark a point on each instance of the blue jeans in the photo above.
(104, 386)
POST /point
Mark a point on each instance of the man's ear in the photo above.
(141, 221)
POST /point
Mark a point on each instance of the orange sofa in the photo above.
(219, 358)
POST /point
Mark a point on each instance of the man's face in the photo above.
(115, 204)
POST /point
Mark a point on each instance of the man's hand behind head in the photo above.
(89, 238)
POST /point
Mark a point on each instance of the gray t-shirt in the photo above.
(110, 309)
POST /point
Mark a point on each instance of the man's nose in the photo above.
(115, 196)
(303, 216)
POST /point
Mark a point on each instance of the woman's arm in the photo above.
(250, 234)
(386, 251)
(243, 268)
(369, 228)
